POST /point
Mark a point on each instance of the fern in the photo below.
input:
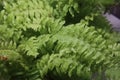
(40, 44)
(8, 50)
(70, 45)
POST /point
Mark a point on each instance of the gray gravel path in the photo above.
(114, 21)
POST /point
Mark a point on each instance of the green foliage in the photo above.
(38, 43)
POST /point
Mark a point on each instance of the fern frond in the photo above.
(54, 63)
(8, 50)
(38, 32)
(72, 44)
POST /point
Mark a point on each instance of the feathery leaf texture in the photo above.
(37, 40)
